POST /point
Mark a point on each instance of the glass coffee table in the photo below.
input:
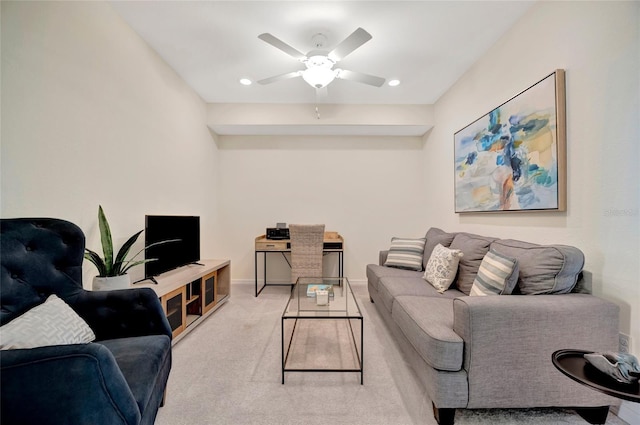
(322, 328)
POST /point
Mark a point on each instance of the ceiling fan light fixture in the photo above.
(318, 76)
(319, 62)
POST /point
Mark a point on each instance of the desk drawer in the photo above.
(272, 245)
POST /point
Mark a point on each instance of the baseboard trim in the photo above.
(354, 282)
(242, 281)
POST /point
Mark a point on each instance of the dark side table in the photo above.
(573, 364)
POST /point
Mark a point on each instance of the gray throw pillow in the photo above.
(434, 237)
(474, 248)
(544, 269)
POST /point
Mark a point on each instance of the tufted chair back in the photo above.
(38, 257)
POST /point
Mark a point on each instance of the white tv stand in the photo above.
(191, 293)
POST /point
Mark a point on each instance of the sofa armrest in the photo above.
(122, 313)
(509, 341)
(382, 257)
(84, 378)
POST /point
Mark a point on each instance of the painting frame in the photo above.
(513, 158)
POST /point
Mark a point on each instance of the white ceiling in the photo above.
(428, 45)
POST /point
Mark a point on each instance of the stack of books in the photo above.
(311, 290)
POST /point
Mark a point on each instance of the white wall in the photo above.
(366, 188)
(91, 115)
(598, 45)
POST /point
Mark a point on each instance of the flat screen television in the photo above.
(174, 254)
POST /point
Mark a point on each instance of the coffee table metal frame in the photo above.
(342, 306)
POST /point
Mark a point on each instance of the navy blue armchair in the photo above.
(120, 378)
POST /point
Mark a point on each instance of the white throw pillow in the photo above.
(442, 267)
(50, 323)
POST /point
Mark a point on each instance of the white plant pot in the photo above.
(110, 283)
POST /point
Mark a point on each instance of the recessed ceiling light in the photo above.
(245, 81)
(394, 83)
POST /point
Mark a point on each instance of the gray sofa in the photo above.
(495, 351)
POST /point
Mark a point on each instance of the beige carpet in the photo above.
(322, 344)
(228, 371)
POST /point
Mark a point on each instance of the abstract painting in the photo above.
(513, 158)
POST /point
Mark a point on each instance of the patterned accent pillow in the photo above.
(406, 253)
(442, 267)
(50, 323)
(498, 275)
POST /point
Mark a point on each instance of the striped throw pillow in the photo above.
(498, 275)
(406, 253)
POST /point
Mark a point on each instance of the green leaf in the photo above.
(136, 263)
(106, 240)
(94, 258)
(122, 253)
(126, 263)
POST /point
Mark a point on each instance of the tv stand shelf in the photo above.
(189, 294)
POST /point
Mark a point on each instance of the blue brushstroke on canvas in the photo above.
(509, 161)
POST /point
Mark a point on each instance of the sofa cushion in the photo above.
(498, 275)
(474, 248)
(544, 269)
(427, 322)
(434, 237)
(405, 253)
(144, 361)
(442, 267)
(391, 287)
(376, 272)
(50, 323)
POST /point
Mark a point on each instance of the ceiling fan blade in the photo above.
(279, 44)
(349, 44)
(280, 77)
(372, 80)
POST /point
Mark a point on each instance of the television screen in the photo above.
(171, 255)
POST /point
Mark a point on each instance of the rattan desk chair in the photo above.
(306, 250)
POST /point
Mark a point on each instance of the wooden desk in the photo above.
(333, 243)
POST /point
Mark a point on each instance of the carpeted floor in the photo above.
(228, 371)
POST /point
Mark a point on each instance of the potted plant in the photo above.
(112, 271)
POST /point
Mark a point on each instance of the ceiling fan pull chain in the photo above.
(317, 113)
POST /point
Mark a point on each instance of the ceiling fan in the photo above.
(319, 63)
